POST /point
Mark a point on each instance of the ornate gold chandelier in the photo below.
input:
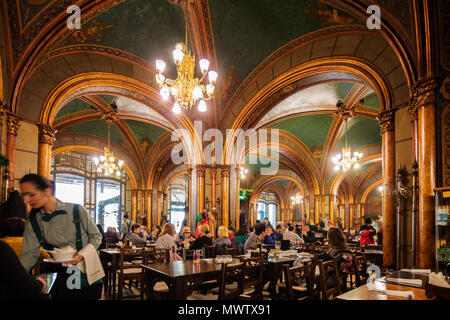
(345, 160)
(107, 164)
(186, 90)
(297, 199)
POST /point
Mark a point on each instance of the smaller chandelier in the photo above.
(243, 172)
(345, 160)
(297, 199)
(107, 164)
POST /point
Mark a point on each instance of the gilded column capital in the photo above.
(159, 194)
(225, 170)
(423, 92)
(386, 119)
(12, 123)
(134, 193)
(213, 171)
(200, 170)
(46, 134)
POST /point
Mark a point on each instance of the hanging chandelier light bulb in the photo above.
(107, 164)
(186, 90)
(297, 198)
(345, 160)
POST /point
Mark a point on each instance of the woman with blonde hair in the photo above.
(204, 238)
(222, 241)
(166, 240)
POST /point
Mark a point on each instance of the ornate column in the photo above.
(386, 119)
(134, 204)
(165, 204)
(422, 102)
(189, 174)
(46, 140)
(144, 205)
(331, 201)
(12, 126)
(159, 207)
(316, 209)
(201, 187)
(213, 186)
(148, 195)
(225, 194)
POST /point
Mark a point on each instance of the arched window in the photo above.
(76, 181)
(268, 207)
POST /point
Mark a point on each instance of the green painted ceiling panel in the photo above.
(143, 130)
(312, 130)
(371, 100)
(361, 132)
(148, 29)
(97, 128)
(252, 29)
(341, 88)
(72, 107)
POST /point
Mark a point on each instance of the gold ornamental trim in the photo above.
(422, 93)
(46, 134)
(386, 119)
(12, 123)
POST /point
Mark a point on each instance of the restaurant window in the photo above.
(76, 181)
(268, 207)
(178, 192)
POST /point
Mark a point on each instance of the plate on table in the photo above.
(52, 260)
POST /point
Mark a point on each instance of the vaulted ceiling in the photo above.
(282, 64)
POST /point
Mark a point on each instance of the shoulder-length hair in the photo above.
(222, 232)
(169, 229)
(204, 230)
(336, 238)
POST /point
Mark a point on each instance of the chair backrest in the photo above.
(360, 264)
(285, 244)
(156, 256)
(263, 255)
(231, 274)
(130, 254)
(231, 251)
(329, 279)
(297, 276)
(254, 268)
(188, 254)
(210, 251)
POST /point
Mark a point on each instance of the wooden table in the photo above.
(363, 293)
(374, 255)
(272, 273)
(182, 277)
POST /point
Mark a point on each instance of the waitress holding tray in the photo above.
(56, 224)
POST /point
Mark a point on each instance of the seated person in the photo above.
(270, 236)
(222, 241)
(204, 238)
(307, 235)
(166, 240)
(292, 236)
(256, 238)
(184, 237)
(111, 235)
(134, 236)
(278, 234)
(11, 232)
(241, 235)
(15, 282)
(366, 233)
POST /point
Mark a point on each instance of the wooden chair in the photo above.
(210, 251)
(360, 265)
(232, 281)
(188, 254)
(160, 290)
(329, 279)
(253, 282)
(129, 271)
(231, 251)
(297, 282)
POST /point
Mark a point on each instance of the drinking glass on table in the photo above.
(278, 245)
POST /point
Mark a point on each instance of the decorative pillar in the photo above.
(316, 209)
(422, 101)
(134, 204)
(225, 195)
(12, 126)
(386, 120)
(46, 140)
(164, 203)
(201, 187)
(331, 201)
(159, 207)
(307, 204)
(213, 186)
(148, 195)
(189, 174)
